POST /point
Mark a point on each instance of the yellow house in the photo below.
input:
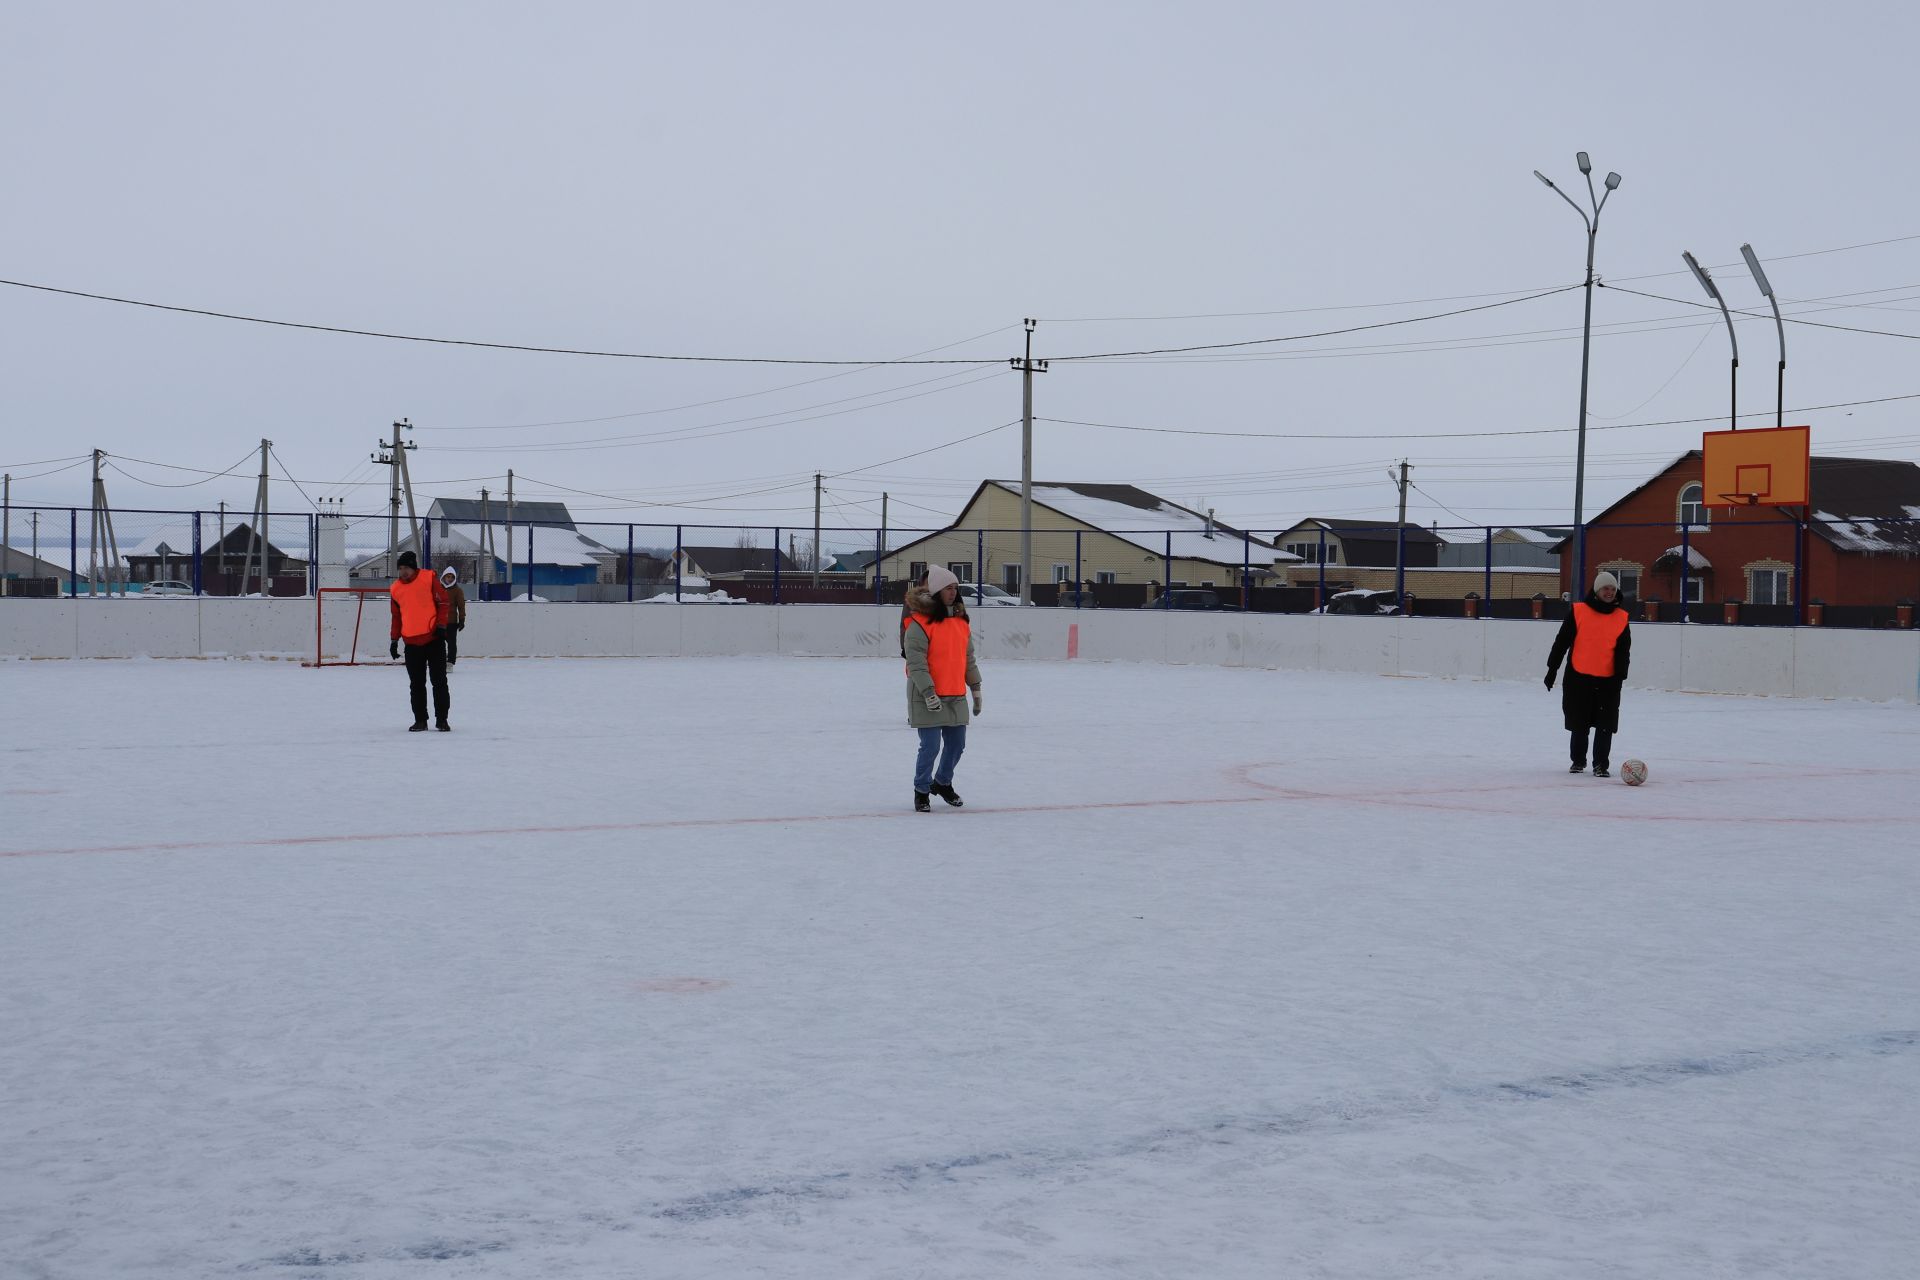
(1089, 533)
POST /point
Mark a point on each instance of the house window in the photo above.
(1696, 589)
(1063, 573)
(1693, 508)
(961, 569)
(1010, 577)
(1769, 586)
(1106, 577)
(1310, 551)
(1629, 575)
(916, 570)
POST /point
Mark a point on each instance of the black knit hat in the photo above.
(407, 560)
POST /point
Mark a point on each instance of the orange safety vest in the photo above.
(1594, 636)
(419, 614)
(946, 652)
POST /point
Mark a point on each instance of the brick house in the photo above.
(1861, 548)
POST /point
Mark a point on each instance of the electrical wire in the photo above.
(287, 475)
(1761, 315)
(461, 342)
(1462, 435)
(208, 478)
(921, 453)
(703, 404)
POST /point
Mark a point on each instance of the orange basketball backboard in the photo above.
(1765, 466)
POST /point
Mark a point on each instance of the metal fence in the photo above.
(1868, 572)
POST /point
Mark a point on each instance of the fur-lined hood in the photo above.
(922, 601)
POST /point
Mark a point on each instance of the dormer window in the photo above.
(1693, 508)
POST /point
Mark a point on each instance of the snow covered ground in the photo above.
(649, 970)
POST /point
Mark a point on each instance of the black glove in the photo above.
(1550, 675)
(393, 648)
(459, 626)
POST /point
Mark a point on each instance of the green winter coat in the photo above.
(913, 645)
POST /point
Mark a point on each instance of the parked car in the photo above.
(1185, 598)
(166, 587)
(987, 595)
(1367, 603)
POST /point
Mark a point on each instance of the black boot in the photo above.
(443, 726)
(418, 726)
(921, 802)
(1600, 771)
(946, 792)
(1576, 767)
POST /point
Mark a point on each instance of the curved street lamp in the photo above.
(1597, 202)
(1780, 381)
(1713, 291)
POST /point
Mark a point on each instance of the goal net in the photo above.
(350, 626)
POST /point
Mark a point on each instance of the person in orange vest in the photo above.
(1597, 645)
(937, 641)
(420, 611)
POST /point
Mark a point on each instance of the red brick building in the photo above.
(1861, 548)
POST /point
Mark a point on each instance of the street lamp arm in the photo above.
(1585, 221)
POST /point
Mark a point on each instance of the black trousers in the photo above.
(1602, 747)
(422, 659)
(453, 643)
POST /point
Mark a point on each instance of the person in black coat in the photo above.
(1597, 644)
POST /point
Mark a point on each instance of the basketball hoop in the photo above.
(1740, 499)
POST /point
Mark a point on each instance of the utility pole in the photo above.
(6, 534)
(1400, 539)
(1027, 366)
(883, 526)
(486, 541)
(816, 528)
(510, 541)
(36, 536)
(101, 541)
(401, 450)
(397, 460)
(257, 532)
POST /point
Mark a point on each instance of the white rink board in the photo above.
(1771, 661)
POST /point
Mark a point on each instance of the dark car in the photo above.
(1368, 603)
(1185, 598)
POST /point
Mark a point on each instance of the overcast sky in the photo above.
(867, 182)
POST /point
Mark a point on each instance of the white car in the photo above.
(988, 595)
(166, 587)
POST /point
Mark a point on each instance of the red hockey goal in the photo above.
(350, 626)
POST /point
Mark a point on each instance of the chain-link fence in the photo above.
(1745, 567)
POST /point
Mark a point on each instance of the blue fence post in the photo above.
(1246, 572)
(1400, 566)
(1487, 594)
(879, 566)
(776, 564)
(980, 564)
(313, 554)
(73, 551)
(1166, 579)
(196, 553)
(676, 563)
(1797, 593)
(529, 562)
(1686, 567)
(1320, 595)
(426, 544)
(1078, 576)
(629, 564)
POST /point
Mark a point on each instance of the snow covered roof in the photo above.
(1136, 516)
(1891, 534)
(567, 548)
(1694, 558)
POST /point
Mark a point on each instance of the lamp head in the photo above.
(1753, 265)
(1700, 274)
(1613, 180)
(1544, 178)
(1586, 165)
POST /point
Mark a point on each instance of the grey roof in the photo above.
(740, 559)
(1378, 529)
(469, 511)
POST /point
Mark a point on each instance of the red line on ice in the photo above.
(373, 837)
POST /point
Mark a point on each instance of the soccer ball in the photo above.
(1633, 772)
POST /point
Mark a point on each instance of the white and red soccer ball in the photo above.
(1633, 772)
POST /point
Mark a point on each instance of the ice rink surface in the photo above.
(649, 970)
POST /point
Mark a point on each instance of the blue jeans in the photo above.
(954, 736)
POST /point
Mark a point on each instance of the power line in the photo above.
(1754, 315)
(1458, 435)
(933, 449)
(288, 475)
(113, 460)
(461, 342)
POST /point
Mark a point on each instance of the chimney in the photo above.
(1209, 522)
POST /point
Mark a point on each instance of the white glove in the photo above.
(934, 703)
(976, 702)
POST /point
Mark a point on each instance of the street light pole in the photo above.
(1780, 381)
(1713, 291)
(1598, 202)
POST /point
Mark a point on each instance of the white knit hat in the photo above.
(1605, 579)
(449, 575)
(939, 580)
